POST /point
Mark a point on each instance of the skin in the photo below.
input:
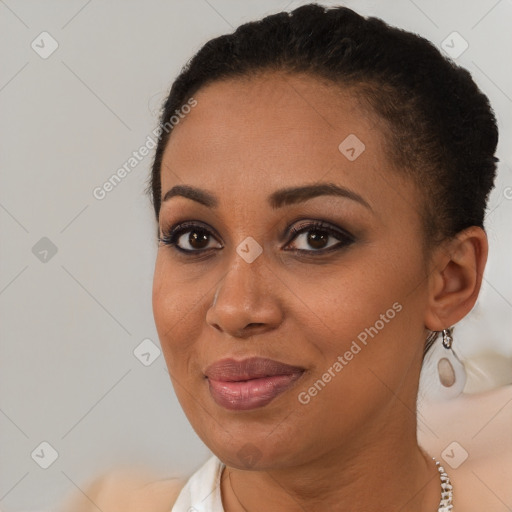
(243, 141)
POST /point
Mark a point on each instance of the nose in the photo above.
(246, 300)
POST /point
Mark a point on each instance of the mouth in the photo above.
(249, 383)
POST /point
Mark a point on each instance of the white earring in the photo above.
(443, 375)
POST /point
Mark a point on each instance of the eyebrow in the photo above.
(277, 199)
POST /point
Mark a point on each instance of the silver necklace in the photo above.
(445, 505)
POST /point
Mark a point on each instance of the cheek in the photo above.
(365, 348)
(371, 310)
(354, 297)
(166, 309)
(174, 303)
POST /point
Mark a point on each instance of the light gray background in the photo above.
(69, 326)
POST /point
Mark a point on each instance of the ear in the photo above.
(455, 278)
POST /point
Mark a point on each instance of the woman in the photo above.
(320, 185)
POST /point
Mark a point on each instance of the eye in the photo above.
(320, 236)
(189, 237)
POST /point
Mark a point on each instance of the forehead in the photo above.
(261, 133)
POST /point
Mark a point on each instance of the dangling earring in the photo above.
(442, 362)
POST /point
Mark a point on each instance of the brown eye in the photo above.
(189, 238)
(196, 239)
(319, 237)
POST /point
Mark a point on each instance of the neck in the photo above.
(383, 470)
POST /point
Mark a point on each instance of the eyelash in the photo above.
(171, 237)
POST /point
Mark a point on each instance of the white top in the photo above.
(201, 493)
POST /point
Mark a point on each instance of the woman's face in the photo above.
(344, 302)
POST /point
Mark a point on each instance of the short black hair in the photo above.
(440, 128)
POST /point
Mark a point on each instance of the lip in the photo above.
(249, 383)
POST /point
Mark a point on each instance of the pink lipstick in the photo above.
(249, 383)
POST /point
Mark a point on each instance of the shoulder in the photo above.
(123, 490)
(472, 437)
